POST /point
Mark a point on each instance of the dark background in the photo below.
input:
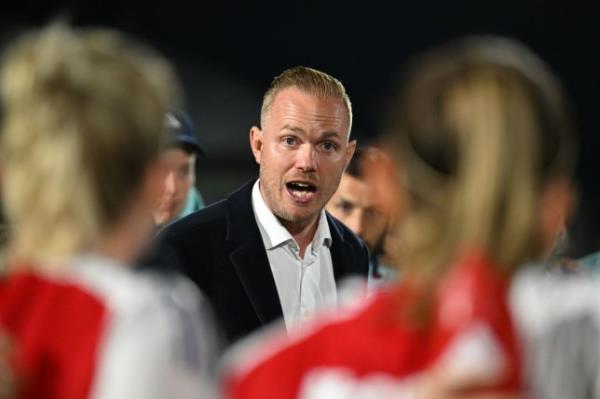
(227, 52)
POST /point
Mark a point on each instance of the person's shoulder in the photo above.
(273, 341)
(127, 289)
(211, 212)
(178, 245)
(271, 353)
(213, 216)
(134, 294)
(537, 297)
(61, 294)
(213, 219)
(158, 315)
(210, 215)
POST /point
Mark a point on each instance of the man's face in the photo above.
(302, 150)
(179, 166)
(357, 205)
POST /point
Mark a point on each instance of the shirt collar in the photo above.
(273, 231)
(322, 235)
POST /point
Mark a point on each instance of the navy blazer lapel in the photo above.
(338, 255)
(339, 251)
(249, 257)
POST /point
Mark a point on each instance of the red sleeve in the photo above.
(55, 330)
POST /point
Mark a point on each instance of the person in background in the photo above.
(358, 204)
(181, 148)
(483, 133)
(83, 122)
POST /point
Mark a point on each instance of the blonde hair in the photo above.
(481, 126)
(83, 118)
(310, 81)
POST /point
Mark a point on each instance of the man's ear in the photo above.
(350, 151)
(256, 142)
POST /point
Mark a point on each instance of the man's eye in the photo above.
(328, 146)
(290, 141)
(345, 207)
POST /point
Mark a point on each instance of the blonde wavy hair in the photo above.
(83, 118)
(481, 126)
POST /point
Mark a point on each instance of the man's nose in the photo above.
(306, 160)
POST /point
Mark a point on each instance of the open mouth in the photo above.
(302, 191)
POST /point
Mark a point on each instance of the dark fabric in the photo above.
(220, 248)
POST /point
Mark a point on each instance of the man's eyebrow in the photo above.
(326, 135)
(344, 200)
(294, 129)
(299, 130)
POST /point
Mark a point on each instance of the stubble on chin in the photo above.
(283, 208)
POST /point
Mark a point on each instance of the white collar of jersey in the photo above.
(275, 233)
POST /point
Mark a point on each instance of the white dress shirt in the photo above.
(304, 285)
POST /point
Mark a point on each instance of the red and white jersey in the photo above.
(102, 330)
(376, 352)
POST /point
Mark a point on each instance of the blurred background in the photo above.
(227, 52)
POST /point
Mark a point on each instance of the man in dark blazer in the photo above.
(220, 248)
(270, 250)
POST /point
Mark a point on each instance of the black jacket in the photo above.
(220, 248)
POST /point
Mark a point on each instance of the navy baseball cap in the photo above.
(180, 132)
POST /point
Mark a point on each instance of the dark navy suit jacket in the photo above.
(220, 248)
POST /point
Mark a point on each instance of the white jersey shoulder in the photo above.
(159, 341)
(558, 317)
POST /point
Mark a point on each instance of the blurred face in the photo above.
(179, 167)
(358, 206)
(302, 151)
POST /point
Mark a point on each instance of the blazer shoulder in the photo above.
(215, 221)
(209, 219)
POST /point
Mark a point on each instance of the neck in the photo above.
(303, 232)
(117, 245)
(125, 239)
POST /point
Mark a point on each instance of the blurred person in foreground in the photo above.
(482, 133)
(270, 251)
(360, 205)
(82, 127)
(180, 197)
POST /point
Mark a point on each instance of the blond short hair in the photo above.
(83, 118)
(308, 80)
